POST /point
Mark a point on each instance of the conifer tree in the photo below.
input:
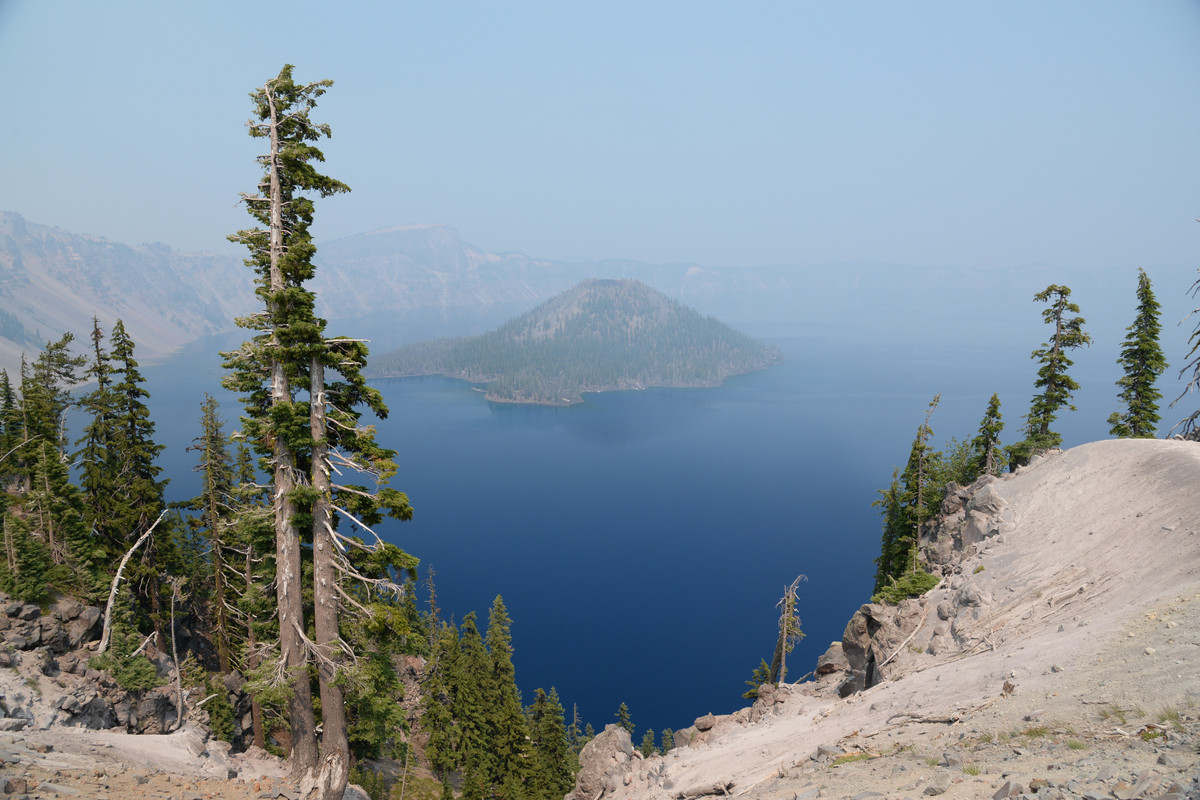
(1057, 387)
(623, 718)
(472, 688)
(1188, 424)
(668, 740)
(760, 675)
(550, 771)
(138, 499)
(252, 538)
(789, 631)
(97, 468)
(1143, 362)
(214, 506)
(893, 549)
(437, 714)
(506, 723)
(46, 531)
(906, 504)
(647, 747)
(306, 426)
(25, 566)
(986, 450)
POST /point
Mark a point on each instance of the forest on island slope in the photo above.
(601, 335)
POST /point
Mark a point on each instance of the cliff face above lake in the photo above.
(601, 335)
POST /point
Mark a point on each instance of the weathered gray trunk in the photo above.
(256, 715)
(335, 748)
(288, 570)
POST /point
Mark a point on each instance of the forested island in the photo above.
(601, 335)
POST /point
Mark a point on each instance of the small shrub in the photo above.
(1075, 744)
(850, 758)
(971, 769)
(912, 584)
(220, 710)
(371, 782)
(978, 570)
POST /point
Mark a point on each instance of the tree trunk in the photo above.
(334, 768)
(288, 589)
(218, 560)
(256, 716)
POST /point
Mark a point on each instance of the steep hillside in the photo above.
(53, 281)
(1058, 656)
(601, 335)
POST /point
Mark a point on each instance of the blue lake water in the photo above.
(642, 539)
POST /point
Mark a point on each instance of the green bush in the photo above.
(911, 584)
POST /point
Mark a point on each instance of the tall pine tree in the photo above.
(1057, 387)
(306, 425)
(506, 722)
(986, 456)
(1143, 362)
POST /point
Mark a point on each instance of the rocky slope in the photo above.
(1057, 658)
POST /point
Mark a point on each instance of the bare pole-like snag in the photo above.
(116, 582)
(789, 631)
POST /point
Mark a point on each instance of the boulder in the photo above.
(987, 500)
(832, 660)
(84, 627)
(233, 682)
(156, 712)
(956, 497)
(600, 761)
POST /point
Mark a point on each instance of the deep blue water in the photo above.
(642, 539)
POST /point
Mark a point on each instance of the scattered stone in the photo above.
(706, 722)
(57, 789)
(1007, 789)
(938, 784)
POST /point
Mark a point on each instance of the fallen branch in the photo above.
(112, 592)
(710, 790)
(908, 716)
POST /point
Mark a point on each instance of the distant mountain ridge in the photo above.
(600, 335)
(53, 281)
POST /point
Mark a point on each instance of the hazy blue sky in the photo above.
(937, 133)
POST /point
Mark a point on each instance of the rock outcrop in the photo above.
(49, 680)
